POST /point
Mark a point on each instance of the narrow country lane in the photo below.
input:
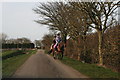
(41, 65)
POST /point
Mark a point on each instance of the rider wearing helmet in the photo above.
(58, 40)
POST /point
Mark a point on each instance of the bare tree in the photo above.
(55, 15)
(47, 41)
(3, 37)
(63, 17)
(38, 43)
(100, 16)
(23, 40)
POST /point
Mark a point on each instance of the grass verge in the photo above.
(90, 70)
(12, 62)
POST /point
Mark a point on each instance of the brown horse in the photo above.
(58, 53)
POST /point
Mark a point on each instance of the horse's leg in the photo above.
(57, 55)
(54, 54)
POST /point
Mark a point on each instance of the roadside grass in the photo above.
(0, 68)
(7, 52)
(90, 70)
(14, 59)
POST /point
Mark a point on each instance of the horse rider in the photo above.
(58, 40)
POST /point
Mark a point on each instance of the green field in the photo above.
(90, 70)
(12, 59)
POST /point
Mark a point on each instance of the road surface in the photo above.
(41, 65)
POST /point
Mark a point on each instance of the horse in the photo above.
(58, 53)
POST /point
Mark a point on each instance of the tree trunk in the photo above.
(78, 48)
(65, 41)
(84, 42)
(100, 39)
(64, 36)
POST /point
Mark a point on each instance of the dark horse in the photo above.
(58, 53)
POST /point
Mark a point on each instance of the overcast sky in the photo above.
(0, 17)
(18, 20)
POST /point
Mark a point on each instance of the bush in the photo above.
(12, 45)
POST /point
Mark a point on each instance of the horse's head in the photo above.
(61, 44)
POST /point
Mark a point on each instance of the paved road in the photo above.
(41, 65)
